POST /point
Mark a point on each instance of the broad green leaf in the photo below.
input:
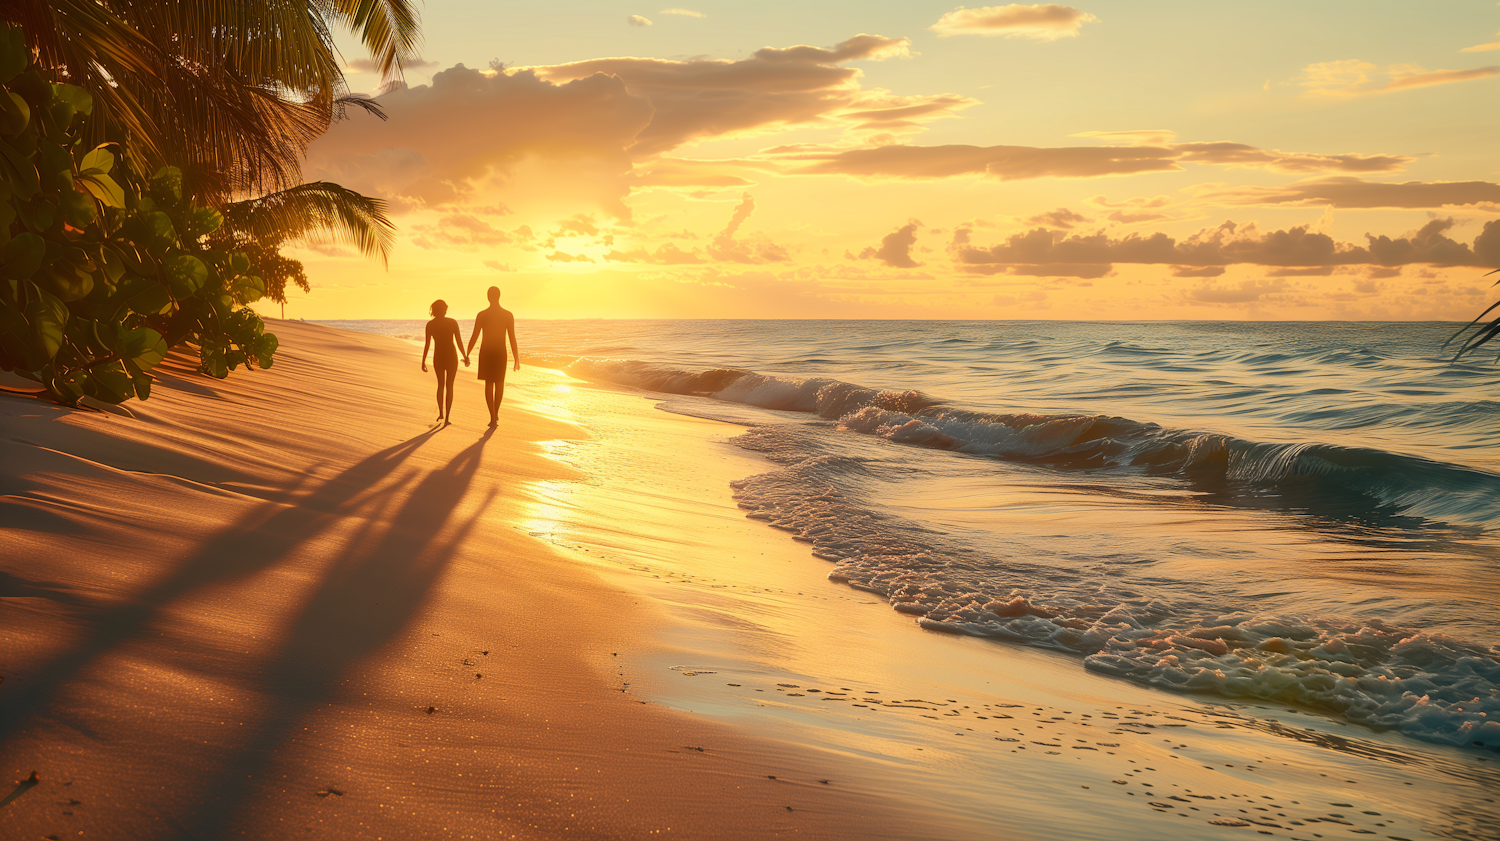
(113, 265)
(78, 209)
(97, 162)
(167, 184)
(63, 114)
(47, 316)
(20, 170)
(251, 288)
(69, 281)
(185, 273)
(200, 221)
(143, 347)
(76, 97)
(213, 362)
(105, 189)
(159, 231)
(142, 387)
(15, 114)
(110, 383)
(22, 256)
(14, 56)
(265, 348)
(54, 164)
(239, 262)
(148, 297)
(67, 387)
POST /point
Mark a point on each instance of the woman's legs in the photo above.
(440, 383)
(448, 405)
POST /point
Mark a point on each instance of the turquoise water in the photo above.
(1303, 512)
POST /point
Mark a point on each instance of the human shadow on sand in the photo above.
(258, 541)
(371, 592)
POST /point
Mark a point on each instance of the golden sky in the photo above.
(1122, 159)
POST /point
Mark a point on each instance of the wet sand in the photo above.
(1006, 741)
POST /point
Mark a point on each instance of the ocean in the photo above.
(1296, 512)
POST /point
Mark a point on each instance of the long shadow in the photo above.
(371, 593)
(258, 541)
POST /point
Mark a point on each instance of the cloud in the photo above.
(471, 125)
(1344, 191)
(560, 257)
(1138, 137)
(1007, 163)
(1126, 217)
(895, 247)
(884, 111)
(637, 20)
(700, 98)
(668, 254)
(459, 232)
(1134, 203)
(1246, 292)
(689, 13)
(1040, 251)
(1482, 48)
(1012, 163)
(682, 172)
(1060, 218)
(1197, 271)
(581, 224)
(367, 65)
(725, 247)
(498, 266)
(1353, 78)
(1225, 153)
(1039, 22)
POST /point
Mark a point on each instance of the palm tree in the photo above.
(319, 210)
(230, 91)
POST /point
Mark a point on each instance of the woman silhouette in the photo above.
(450, 343)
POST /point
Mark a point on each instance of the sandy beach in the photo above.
(286, 605)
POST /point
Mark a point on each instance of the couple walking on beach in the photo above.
(495, 324)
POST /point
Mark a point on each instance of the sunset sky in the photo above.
(1113, 160)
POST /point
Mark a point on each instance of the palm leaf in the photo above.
(315, 212)
(390, 30)
(1483, 334)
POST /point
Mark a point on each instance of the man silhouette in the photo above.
(495, 324)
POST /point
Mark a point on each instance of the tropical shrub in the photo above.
(102, 272)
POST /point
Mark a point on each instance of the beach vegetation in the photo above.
(150, 174)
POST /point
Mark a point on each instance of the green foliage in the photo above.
(100, 273)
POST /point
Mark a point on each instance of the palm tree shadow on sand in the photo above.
(371, 593)
(257, 542)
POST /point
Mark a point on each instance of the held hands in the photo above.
(466, 361)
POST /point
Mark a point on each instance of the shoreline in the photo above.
(760, 637)
(283, 602)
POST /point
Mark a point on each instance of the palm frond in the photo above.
(1482, 335)
(390, 30)
(317, 212)
(342, 105)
